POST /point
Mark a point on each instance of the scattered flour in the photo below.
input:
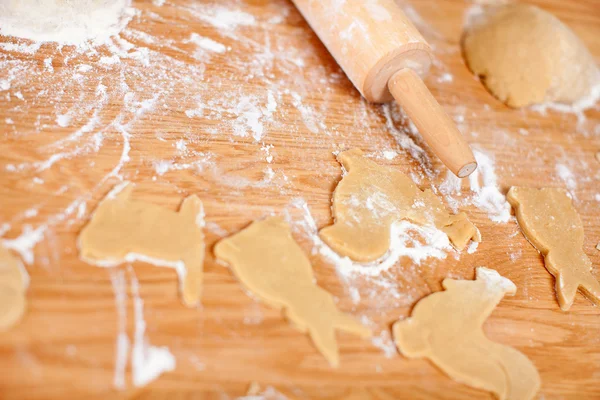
(226, 19)
(395, 117)
(472, 247)
(122, 342)
(487, 196)
(445, 77)
(428, 243)
(207, 43)
(148, 362)
(390, 154)
(256, 393)
(578, 108)
(567, 176)
(385, 342)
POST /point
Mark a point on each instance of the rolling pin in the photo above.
(385, 56)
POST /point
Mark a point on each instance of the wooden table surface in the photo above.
(157, 108)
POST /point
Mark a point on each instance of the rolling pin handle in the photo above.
(438, 130)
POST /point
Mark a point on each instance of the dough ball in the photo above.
(526, 56)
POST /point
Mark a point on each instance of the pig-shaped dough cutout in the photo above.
(124, 230)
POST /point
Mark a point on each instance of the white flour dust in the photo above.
(122, 344)
(255, 392)
(408, 241)
(70, 22)
(484, 183)
(147, 362)
(567, 176)
(484, 193)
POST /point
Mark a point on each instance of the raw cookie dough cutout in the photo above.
(267, 261)
(526, 56)
(370, 198)
(446, 328)
(13, 284)
(551, 224)
(124, 230)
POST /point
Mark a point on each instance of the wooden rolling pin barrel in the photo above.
(385, 56)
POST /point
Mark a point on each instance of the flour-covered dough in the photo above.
(372, 197)
(267, 261)
(526, 56)
(13, 284)
(550, 222)
(123, 230)
(446, 327)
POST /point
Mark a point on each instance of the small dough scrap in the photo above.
(123, 230)
(446, 328)
(370, 198)
(13, 285)
(267, 261)
(552, 225)
(527, 56)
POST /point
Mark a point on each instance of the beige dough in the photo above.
(267, 260)
(13, 284)
(370, 198)
(550, 222)
(124, 230)
(446, 327)
(527, 56)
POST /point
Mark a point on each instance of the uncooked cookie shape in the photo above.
(124, 230)
(526, 56)
(267, 261)
(13, 284)
(371, 197)
(550, 222)
(446, 328)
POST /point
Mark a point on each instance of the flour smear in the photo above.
(147, 362)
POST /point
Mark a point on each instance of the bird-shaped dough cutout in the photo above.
(269, 263)
(552, 225)
(13, 284)
(124, 230)
(446, 328)
(370, 198)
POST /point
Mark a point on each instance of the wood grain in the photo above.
(65, 345)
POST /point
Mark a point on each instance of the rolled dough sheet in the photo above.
(125, 230)
(446, 328)
(551, 224)
(370, 198)
(13, 284)
(527, 56)
(267, 261)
